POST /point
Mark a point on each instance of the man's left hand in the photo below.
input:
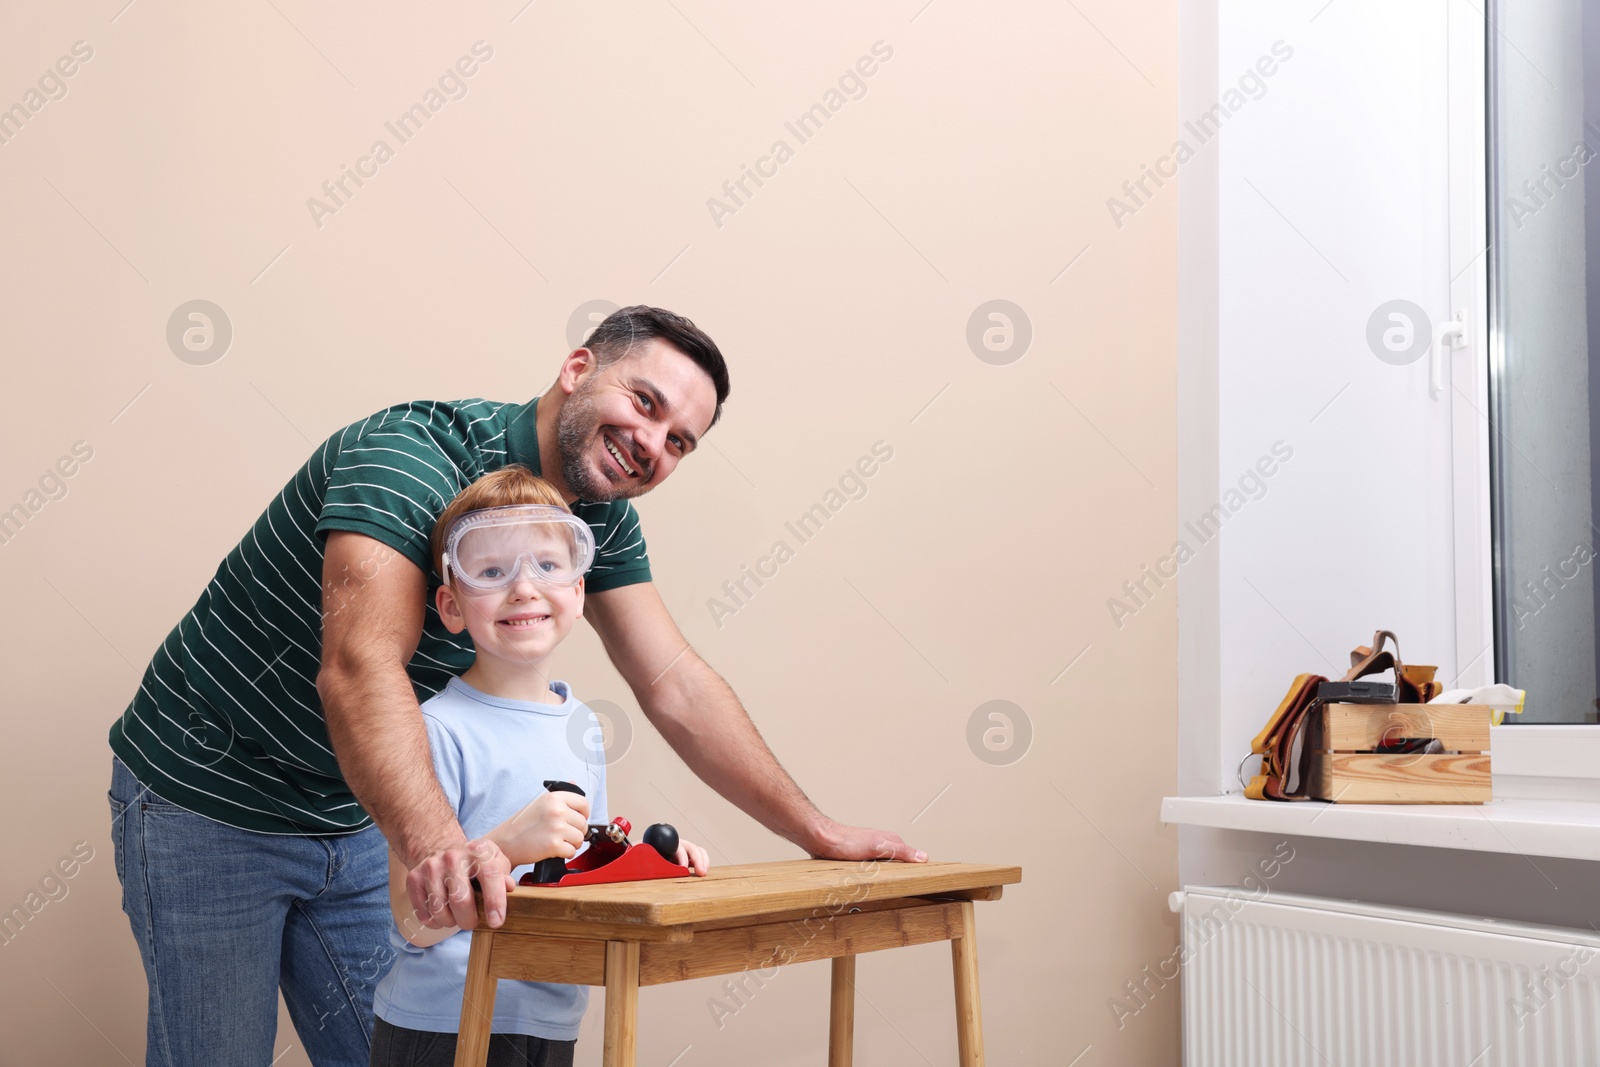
(861, 843)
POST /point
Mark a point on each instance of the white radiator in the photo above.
(1283, 981)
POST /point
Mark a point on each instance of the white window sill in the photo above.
(1544, 751)
(1568, 829)
(1547, 803)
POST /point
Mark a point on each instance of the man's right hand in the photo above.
(440, 885)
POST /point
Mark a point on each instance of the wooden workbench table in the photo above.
(758, 916)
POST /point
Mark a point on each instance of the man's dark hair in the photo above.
(630, 326)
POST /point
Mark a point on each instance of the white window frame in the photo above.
(1468, 367)
(1560, 757)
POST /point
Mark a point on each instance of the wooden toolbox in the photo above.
(1344, 767)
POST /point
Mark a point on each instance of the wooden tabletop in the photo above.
(754, 889)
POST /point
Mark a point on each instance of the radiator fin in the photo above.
(1282, 981)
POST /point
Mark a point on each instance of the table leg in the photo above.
(477, 1004)
(842, 1012)
(622, 1002)
(969, 1016)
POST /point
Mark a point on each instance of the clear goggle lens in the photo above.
(495, 547)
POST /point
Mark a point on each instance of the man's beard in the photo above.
(577, 433)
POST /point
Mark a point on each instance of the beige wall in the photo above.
(578, 167)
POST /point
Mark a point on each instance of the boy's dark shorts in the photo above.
(395, 1046)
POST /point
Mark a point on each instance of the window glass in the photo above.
(1544, 222)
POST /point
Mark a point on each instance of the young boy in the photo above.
(512, 559)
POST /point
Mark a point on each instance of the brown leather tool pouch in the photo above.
(1284, 743)
(1281, 744)
(1414, 684)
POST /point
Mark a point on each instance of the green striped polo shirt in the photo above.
(227, 722)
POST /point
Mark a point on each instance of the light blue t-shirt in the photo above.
(492, 757)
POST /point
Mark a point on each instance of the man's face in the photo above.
(626, 426)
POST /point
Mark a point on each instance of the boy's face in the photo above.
(525, 620)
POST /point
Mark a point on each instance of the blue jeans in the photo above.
(226, 917)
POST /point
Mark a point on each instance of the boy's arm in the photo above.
(405, 918)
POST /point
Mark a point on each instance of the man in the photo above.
(282, 711)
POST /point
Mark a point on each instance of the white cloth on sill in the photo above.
(1502, 698)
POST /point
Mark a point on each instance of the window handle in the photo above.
(1451, 333)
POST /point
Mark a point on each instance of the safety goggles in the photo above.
(491, 548)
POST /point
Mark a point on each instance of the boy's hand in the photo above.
(553, 824)
(694, 857)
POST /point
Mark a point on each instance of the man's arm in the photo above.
(372, 611)
(701, 718)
